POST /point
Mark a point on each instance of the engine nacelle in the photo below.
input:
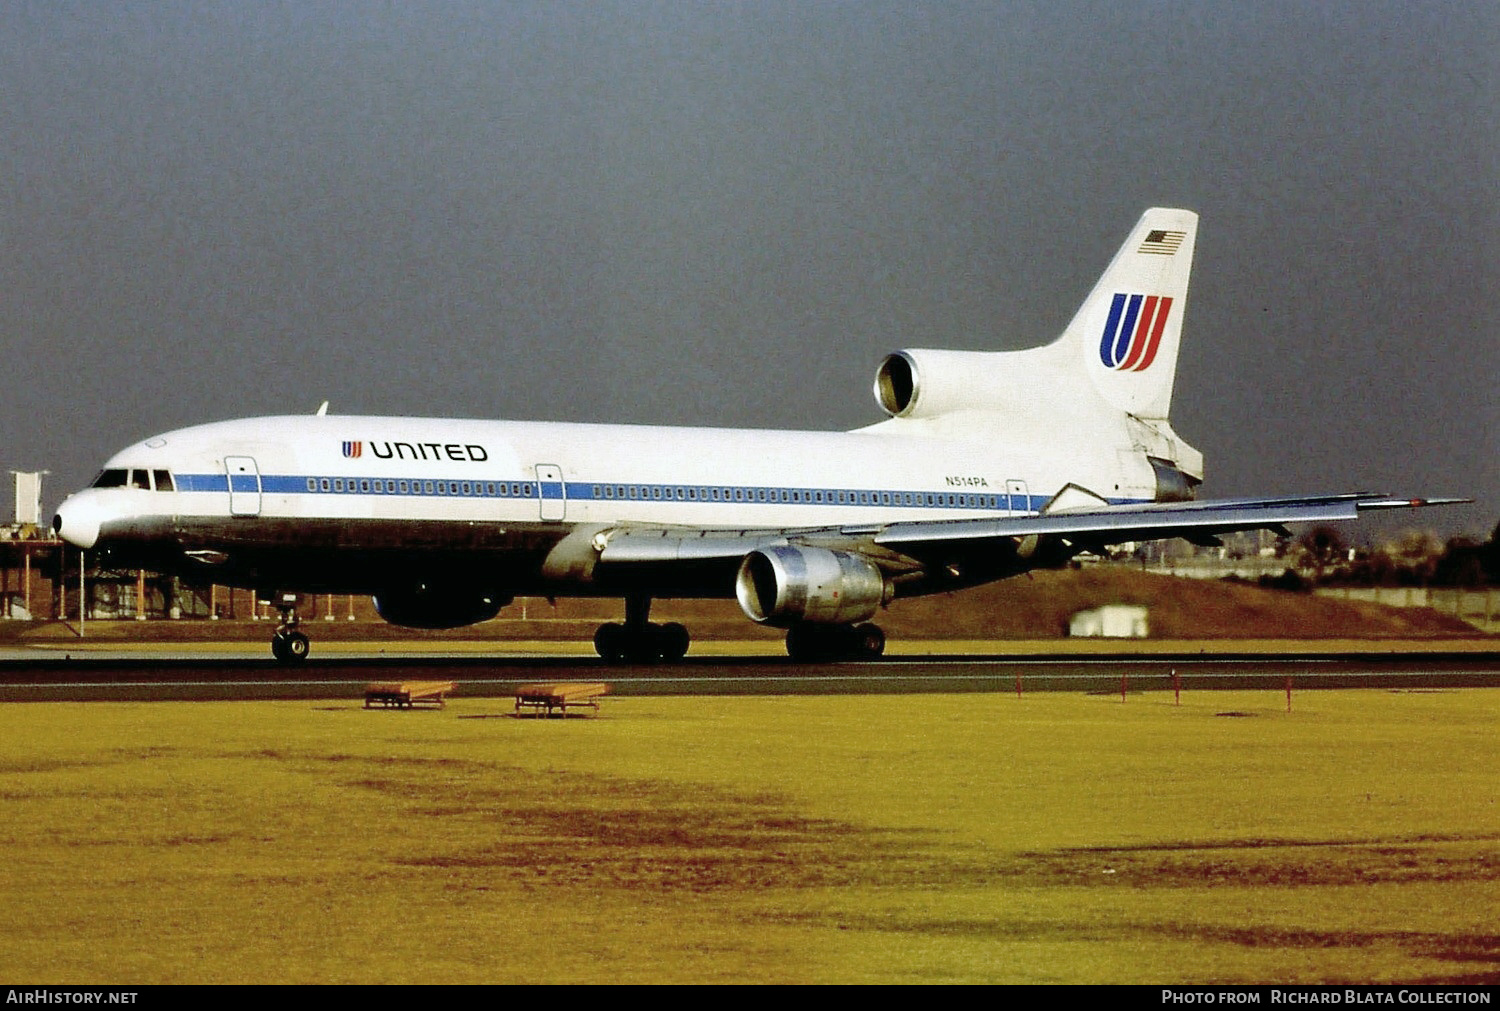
(786, 585)
(439, 606)
(925, 384)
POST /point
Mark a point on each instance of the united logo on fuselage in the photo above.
(1133, 331)
(436, 451)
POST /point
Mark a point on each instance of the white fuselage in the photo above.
(358, 468)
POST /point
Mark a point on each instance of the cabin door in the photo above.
(552, 492)
(1018, 500)
(244, 485)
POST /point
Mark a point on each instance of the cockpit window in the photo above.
(111, 479)
(140, 479)
(163, 479)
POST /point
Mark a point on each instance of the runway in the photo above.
(87, 678)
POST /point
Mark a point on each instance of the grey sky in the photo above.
(725, 214)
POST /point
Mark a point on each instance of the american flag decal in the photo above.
(353, 449)
(1161, 242)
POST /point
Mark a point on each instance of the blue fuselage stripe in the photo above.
(582, 491)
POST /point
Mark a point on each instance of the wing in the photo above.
(900, 545)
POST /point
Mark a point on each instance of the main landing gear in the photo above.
(287, 644)
(809, 643)
(639, 640)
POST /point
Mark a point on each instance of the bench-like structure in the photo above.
(405, 694)
(542, 699)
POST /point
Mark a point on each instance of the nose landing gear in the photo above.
(290, 646)
(287, 644)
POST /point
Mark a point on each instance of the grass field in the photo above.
(985, 838)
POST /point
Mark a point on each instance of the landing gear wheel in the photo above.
(672, 641)
(802, 643)
(289, 647)
(617, 643)
(831, 643)
(610, 642)
(287, 644)
(869, 640)
(640, 641)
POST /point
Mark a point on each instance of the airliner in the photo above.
(987, 465)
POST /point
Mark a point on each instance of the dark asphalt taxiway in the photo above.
(84, 678)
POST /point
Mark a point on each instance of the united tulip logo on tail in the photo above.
(353, 450)
(1133, 332)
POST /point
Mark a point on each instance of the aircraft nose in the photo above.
(77, 522)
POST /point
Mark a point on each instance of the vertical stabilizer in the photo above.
(1130, 326)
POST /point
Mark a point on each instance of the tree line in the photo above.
(1326, 559)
